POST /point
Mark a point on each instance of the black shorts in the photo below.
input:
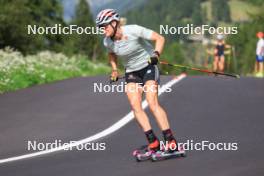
(151, 72)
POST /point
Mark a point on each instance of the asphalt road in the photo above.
(210, 109)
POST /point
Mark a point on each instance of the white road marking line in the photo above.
(116, 126)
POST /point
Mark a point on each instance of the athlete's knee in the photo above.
(137, 110)
(136, 107)
(221, 66)
(215, 62)
(153, 105)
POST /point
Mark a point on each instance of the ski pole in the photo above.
(200, 70)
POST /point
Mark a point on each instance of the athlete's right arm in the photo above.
(113, 62)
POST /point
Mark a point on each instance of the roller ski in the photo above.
(168, 154)
(145, 153)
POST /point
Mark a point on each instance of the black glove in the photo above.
(113, 79)
(153, 60)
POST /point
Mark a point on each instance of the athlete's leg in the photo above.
(215, 63)
(135, 97)
(261, 60)
(151, 88)
(256, 67)
(134, 94)
(221, 63)
(261, 67)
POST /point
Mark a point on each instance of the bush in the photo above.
(18, 71)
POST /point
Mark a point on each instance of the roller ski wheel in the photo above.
(143, 154)
(163, 155)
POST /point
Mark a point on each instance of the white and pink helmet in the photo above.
(106, 17)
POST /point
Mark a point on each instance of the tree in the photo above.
(245, 43)
(47, 14)
(13, 22)
(87, 44)
(15, 16)
(197, 15)
(220, 10)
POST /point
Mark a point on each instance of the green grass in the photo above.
(239, 10)
(17, 71)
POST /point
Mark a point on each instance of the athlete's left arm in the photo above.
(262, 49)
(159, 41)
(227, 46)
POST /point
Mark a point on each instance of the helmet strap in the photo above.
(115, 30)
